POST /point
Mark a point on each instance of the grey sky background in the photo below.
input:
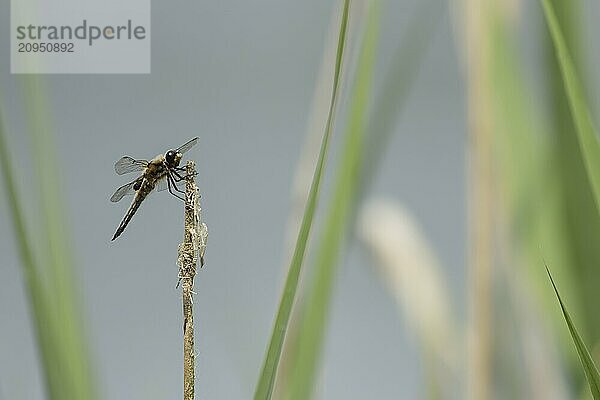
(240, 75)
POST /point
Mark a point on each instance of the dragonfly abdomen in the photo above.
(146, 187)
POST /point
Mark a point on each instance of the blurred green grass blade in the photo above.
(48, 269)
(387, 107)
(397, 85)
(264, 389)
(578, 209)
(59, 271)
(36, 292)
(589, 367)
(588, 139)
(528, 179)
(339, 217)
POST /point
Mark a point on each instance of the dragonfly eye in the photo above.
(170, 157)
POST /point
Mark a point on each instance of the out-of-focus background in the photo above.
(243, 76)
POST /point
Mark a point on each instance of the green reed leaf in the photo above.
(589, 367)
(339, 218)
(264, 389)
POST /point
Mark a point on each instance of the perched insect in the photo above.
(160, 173)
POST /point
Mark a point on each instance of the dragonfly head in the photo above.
(173, 158)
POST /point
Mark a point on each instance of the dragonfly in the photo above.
(161, 173)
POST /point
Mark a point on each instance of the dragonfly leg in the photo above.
(174, 183)
(178, 176)
(169, 182)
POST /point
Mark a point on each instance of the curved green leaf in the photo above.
(264, 389)
(339, 218)
(591, 372)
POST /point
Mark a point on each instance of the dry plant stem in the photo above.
(480, 199)
(187, 261)
(188, 339)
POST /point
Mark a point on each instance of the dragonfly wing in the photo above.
(127, 164)
(162, 184)
(187, 146)
(123, 191)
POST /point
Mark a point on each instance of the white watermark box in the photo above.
(80, 36)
